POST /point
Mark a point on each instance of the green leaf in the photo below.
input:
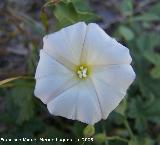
(155, 9)
(70, 13)
(155, 72)
(122, 107)
(148, 41)
(126, 32)
(152, 57)
(21, 101)
(65, 14)
(126, 7)
(148, 17)
(142, 110)
(89, 131)
(147, 44)
(135, 111)
(81, 6)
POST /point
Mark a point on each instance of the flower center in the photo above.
(82, 72)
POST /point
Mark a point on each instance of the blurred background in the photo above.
(135, 23)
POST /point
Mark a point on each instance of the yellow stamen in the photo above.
(82, 72)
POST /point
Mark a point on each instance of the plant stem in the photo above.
(83, 142)
(128, 128)
(103, 127)
(117, 138)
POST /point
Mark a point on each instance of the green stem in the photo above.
(117, 138)
(103, 127)
(128, 128)
(83, 142)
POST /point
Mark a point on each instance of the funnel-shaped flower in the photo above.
(83, 73)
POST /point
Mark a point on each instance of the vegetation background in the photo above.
(135, 23)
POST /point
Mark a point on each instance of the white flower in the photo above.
(83, 73)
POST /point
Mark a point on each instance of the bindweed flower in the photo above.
(83, 73)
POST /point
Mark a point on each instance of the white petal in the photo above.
(109, 98)
(47, 66)
(78, 103)
(118, 77)
(52, 78)
(101, 49)
(48, 88)
(66, 44)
